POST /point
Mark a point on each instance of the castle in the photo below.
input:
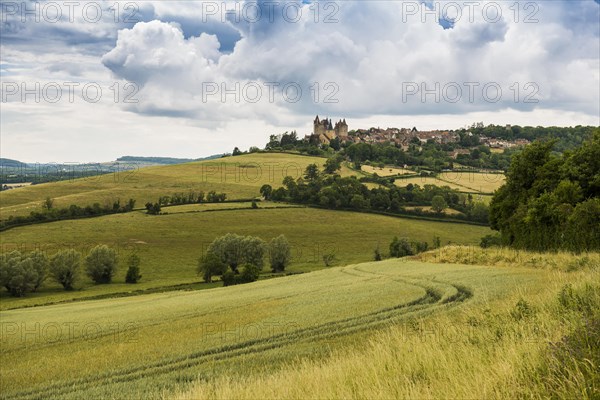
(326, 131)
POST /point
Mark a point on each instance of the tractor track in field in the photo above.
(431, 300)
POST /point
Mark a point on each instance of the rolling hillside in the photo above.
(239, 177)
(144, 346)
(170, 245)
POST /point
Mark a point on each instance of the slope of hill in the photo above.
(170, 245)
(145, 345)
(239, 177)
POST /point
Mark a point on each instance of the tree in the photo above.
(211, 265)
(48, 203)
(333, 164)
(266, 191)
(279, 253)
(253, 251)
(400, 248)
(237, 152)
(17, 273)
(40, 264)
(153, 209)
(229, 249)
(311, 173)
(101, 264)
(65, 266)
(377, 256)
(133, 270)
(438, 204)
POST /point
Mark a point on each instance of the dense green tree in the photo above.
(65, 266)
(438, 204)
(211, 265)
(400, 248)
(312, 172)
(101, 264)
(550, 201)
(333, 164)
(279, 253)
(266, 191)
(133, 269)
(18, 274)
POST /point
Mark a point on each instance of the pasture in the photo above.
(386, 171)
(239, 177)
(471, 182)
(170, 245)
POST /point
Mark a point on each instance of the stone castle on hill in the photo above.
(326, 131)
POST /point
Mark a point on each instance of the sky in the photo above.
(90, 81)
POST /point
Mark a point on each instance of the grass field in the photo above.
(239, 177)
(393, 329)
(387, 171)
(463, 181)
(170, 245)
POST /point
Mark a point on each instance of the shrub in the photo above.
(250, 273)
(210, 265)
(400, 248)
(133, 270)
(101, 264)
(65, 266)
(228, 278)
(378, 256)
(491, 241)
(329, 259)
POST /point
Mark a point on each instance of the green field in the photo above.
(238, 177)
(469, 182)
(328, 334)
(170, 245)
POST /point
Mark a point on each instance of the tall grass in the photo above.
(537, 342)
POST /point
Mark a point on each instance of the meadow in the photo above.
(393, 329)
(468, 182)
(239, 177)
(386, 171)
(169, 245)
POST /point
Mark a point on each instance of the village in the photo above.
(325, 131)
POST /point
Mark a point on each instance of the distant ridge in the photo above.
(7, 162)
(166, 160)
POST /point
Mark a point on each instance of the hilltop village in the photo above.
(324, 131)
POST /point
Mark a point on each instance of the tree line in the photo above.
(49, 213)
(240, 259)
(551, 201)
(177, 199)
(21, 273)
(328, 189)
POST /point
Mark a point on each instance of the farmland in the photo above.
(170, 245)
(271, 338)
(470, 182)
(238, 177)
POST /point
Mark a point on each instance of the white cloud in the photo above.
(373, 55)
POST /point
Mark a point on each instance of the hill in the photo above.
(165, 160)
(239, 177)
(170, 245)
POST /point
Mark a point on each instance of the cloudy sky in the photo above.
(86, 81)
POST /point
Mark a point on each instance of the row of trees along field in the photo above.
(21, 273)
(239, 259)
(551, 201)
(50, 213)
(330, 190)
